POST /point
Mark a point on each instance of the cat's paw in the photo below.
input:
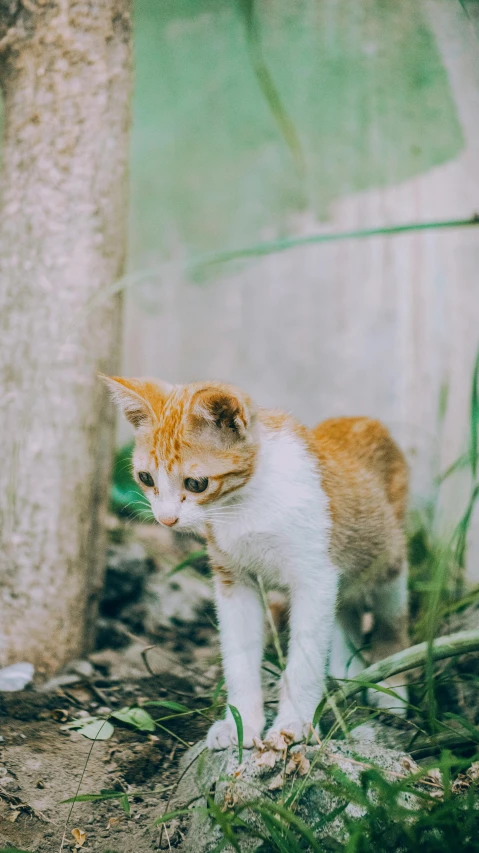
(223, 733)
(385, 702)
(286, 731)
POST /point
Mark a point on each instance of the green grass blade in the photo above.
(267, 86)
(125, 803)
(170, 706)
(292, 819)
(94, 798)
(177, 813)
(474, 417)
(190, 560)
(239, 730)
(224, 821)
(13, 850)
(281, 836)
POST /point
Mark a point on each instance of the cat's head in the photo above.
(195, 446)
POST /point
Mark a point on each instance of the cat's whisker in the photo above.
(137, 502)
(226, 517)
(227, 510)
(142, 516)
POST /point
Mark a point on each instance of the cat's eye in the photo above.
(146, 478)
(196, 485)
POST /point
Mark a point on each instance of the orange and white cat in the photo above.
(317, 513)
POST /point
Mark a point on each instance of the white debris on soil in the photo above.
(16, 676)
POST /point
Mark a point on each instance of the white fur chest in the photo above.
(280, 523)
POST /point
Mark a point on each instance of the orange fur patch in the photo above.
(365, 477)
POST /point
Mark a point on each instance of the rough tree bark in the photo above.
(65, 77)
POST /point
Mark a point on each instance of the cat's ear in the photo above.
(224, 410)
(140, 400)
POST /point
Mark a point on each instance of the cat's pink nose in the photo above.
(168, 522)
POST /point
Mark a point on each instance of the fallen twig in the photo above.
(444, 647)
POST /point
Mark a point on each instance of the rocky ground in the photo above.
(157, 642)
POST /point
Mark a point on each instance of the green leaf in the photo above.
(190, 560)
(125, 804)
(171, 706)
(137, 717)
(239, 730)
(13, 850)
(126, 497)
(81, 722)
(97, 730)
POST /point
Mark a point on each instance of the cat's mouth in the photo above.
(183, 526)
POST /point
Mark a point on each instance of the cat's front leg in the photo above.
(241, 622)
(313, 602)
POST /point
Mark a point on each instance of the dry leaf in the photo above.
(276, 782)
(298, 763)
(473, 772)
(460, 784)
(230, 799)
(277, 741)
(60, 715)
(80, 836)
(113, 821)
(239, 770)
(367, 622)
(14, 816)
(437, 788)
(434, 775)
(410, 765)
(288, 736)
(268, 758)
(258, 743)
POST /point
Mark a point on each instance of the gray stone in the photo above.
(176, 599)
(81, 667)
(205, 771)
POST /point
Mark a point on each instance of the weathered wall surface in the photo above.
(385, 100)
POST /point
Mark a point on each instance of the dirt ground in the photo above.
(156, 641)
(43, 763)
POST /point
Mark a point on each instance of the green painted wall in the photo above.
(362, 81)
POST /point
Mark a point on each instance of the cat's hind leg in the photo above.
(345, 658)
(390, 635)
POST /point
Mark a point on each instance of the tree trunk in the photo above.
(65, 76)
